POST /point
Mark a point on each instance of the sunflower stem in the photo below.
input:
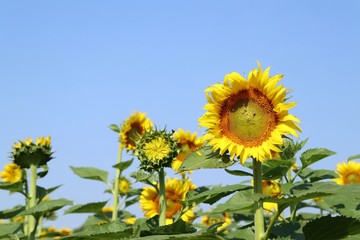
(116, 187)
(162, 198)
(32, 200)
(259, 215)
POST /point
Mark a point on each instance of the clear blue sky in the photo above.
(70, 68)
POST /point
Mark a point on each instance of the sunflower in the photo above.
(187, 142)
(348, 173)
(271, 188)
(248, 117)
(156, 149)
(211, 220)
(12, 173)
(175, 190)
(133, 128)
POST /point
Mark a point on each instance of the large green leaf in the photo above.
(9, 228)
(241, 234)
(201, 235)
(289, 230)
(204, 157)
(177, 227)
(275, 169)
(107, 231)
(123, 165)
(10, 213)
(91, 173)
(329, 227)
(93, 207)
(313, 155)
(242, 200)
(44, 207)
(214, 194)
(316, 175)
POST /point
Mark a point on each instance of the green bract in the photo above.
(30, 153)
(156, 149)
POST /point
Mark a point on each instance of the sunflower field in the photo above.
(247, 126)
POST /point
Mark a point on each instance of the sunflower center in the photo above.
(248, 118)
(353, 178)
(157, 149)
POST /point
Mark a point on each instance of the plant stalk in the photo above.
(32, 196)
(162, 198)
(259, 215)
(116, 187)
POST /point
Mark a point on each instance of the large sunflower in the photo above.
(248, 117)
(348, 173)
(187, 142)
(133, 128)
(175, 190)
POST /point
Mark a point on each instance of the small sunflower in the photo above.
(124, 185)
(271, 188)
(27, 152)
(187, 142)
(348, 173)
(176, 191)
(211, 220)
(156, 149)
(133, 128)
(248, 117)
(12, 173)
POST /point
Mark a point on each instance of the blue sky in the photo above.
(71, 68)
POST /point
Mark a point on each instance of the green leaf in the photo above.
(91, 173)
(242, 200)
(50, 190)
(331, 228)
(40, 193)
(107, 231)
(142, 176)
(353, 157)
(177, 227)
(9, 228)
(115, 128)
(213, 195)
(10, 213)
(317, 175)
(44, 172)
(275, 169)
(313, 155)
(12, 187)
(93, 207)
(238, 172)
(292, 230)
(45, 207)
(123, 165)
(241, 234)
(207, 159)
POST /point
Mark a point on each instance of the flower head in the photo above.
(133, 128)
(211, 220)
(176, 191)
(156, 149)
(187, 142)
(248, 117)
(271, 188)
(27, 152)
(348, 173)
(124, 185)
(12, 173)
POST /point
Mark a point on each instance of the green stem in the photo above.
(116, 187)
(162, 198)
(32, 196)
(272, 223)
(259, 215)
(41, 219)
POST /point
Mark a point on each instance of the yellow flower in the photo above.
(133, 128)
(208, 221)
(28, 141)
(348, 173)
(107, 209)
(124, 185)
(156, 149)
(248, 117)
(12, 173)
(65, 231)
(18, 219)
(187, 142)
(175, 191)
(271, 188)
(130, 220)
